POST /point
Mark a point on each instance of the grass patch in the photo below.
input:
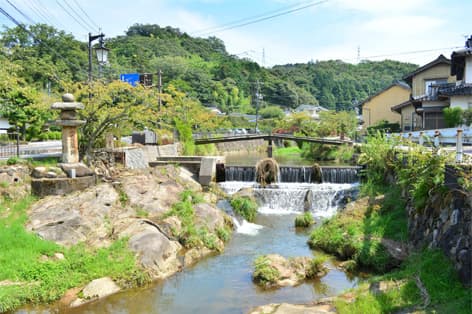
(141, 213)
(26, 260)
(304, 221)
(316, 266)
(191, 236)
(357, 234)
(437, 275)
(224, 233)
(244, 206)
(287, 151)
(264, 273)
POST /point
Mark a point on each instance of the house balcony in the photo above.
(455, 89)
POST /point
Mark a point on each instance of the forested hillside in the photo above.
(200, 67)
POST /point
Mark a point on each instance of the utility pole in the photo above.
(263, 57)
(159, 88)
(258, 98)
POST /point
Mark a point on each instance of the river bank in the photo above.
(125, 233)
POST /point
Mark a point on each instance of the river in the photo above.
(223, 283)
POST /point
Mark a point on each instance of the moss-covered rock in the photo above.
(274, 270)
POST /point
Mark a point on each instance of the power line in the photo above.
(19, 11)
(85, 13)
(78, 15)
(72, 16)
(410, 52)
(242, 20)
(36, 11)
(261, 19)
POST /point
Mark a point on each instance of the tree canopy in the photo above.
(39, 61)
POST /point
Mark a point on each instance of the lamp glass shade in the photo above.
(102, 54)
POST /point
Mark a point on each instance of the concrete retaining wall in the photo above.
(60, 186)
(253, 145)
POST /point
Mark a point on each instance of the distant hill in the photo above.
(201, 67)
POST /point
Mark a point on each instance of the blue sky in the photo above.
(415, 31)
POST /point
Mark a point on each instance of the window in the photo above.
(431, 86)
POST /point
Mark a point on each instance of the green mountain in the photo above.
(200, 67)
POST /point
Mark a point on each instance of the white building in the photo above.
(460, 93)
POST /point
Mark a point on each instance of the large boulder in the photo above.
(77, 217)
(96, 289)
(209, 216)
(274, 270)
(156, 252)
(150, 193)
(286, 308)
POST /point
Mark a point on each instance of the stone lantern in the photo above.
(69, 123)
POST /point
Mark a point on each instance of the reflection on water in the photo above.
(223, 284)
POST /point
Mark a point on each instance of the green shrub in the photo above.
(244, 206)
(264, 273)
(185, 137)
(304, 220)
(384, 126)
(13, 160)
(191, 236)
(447, 295)
(453, 116)
(316, 266)
(357, 235)
(223, 233)
(272, 112)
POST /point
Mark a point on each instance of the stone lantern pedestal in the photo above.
(69, 123)
(72, 175)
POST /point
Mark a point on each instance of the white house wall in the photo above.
(464, 102)
(468, 70)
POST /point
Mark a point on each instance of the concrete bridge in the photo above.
(270, 138)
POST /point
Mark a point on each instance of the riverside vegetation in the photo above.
(35, 270)
(363, 233)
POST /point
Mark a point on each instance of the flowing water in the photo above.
(222, 283)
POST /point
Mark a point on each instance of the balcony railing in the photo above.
(453, 89)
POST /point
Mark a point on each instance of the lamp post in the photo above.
(102, 52)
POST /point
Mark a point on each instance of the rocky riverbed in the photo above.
(134, 206)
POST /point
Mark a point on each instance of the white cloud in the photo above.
(402, 25)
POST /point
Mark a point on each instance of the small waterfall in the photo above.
(240, 173)
(296, 174)
(242, 225)
(287, 198)
(340, 174)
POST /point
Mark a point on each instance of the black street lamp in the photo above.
(102, 52)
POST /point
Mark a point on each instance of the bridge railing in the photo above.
(236, 132)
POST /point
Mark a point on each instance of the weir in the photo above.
(293, 174)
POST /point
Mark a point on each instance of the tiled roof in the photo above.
(459, 90)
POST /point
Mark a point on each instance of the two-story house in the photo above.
(423, 111)
(460, 93)
(376, 108)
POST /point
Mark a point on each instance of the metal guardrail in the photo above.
(444, 136)
(10, 149)
(459, 137)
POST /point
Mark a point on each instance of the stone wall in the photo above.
(238, 146)
(446, 223)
